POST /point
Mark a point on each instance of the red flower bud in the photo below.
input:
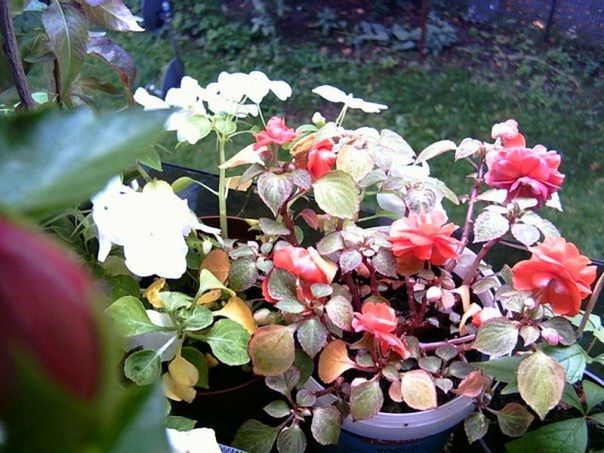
(321, 159)
(275, 132)
(46, 312)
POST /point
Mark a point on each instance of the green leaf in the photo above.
(563, 327)
(200, 318)
(173, 300)
(325, 425)
(291, 440)
(277, 409)
(45, 165)
(514, 419)
(436, 149)
(496, 337)
(123, 285)
(229, 342)
(476, 426)
(337, 195)
(290, 306)
(569, 396)
(312, 336)
(272, 227)
(281, 285)
(67, 30)
(255, 437)
(503, 369)
(112, 14)
(340, 312)
(272, 350)
(198, 360)
(114, 56)
(151, 159)
(243, 274)
(418, 390)
(305, 365)
(490, 225)
(594, 394)
(143, 367)
(568, 436)
(366, 399)
(284, 383)
(541, 382)
(572, 358)
(275, 190)
(130, 317)
(598, 418)
(305, 398)
(208, 281)
(180, 423)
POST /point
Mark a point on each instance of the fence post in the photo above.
(550, 19)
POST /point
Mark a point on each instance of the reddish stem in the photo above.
(372, 278)
(479, 256)
(410, 295)
(456, 341)
(290, 225)
(354, 290)
(469, 222)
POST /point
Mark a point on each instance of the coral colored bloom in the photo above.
(556, 274)
(425, 237)
(275, 132)
(321, 159)
(266, 294)
(509, 134)
(525, 172)
(303, 264)
(380, 320)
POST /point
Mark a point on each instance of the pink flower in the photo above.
(380, 320)
(509, 134)
(299, 262)
(525, 172)
(321, 159)
(424, 237)
(556, 274)
(484, 315)
(47, 313)
(275, 132)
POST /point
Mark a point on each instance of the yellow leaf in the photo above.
(464, 293)
(209, 297)
(212, 361)
(247, 155)
(170, 389)
(234, 183)
(183, 373)
(418, 390)
(152, 292)
(334, 361)
(218, 263)
(237, 310)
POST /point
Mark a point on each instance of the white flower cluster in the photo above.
(150, 225)
(227, 95)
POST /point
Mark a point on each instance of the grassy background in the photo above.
(551, 89)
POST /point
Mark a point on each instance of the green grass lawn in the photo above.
(444, 98)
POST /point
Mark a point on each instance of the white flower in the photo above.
(199, 440)
(151, 226)
(163, 342)
(189, 107)
(333, 94)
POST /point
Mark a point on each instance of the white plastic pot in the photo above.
(417, 431)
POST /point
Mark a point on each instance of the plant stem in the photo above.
(590, 306)
(410, 295)
(479, 256)
(12, 52)
(467, 229)
(356, 297)
(454, 342)
(222, 206)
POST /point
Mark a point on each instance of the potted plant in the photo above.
(397, 333)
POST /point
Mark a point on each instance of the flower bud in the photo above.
(318, 119)
(550, 336)
(263, 317)
(434, 294)
(46, 313)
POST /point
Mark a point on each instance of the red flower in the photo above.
(509, 134)
(265, 292)
(321, 159)
(424, 237)
(275, 132)
(46, 312)
(556, 274)
(306, 264)
(525, 172)
(380, 320)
